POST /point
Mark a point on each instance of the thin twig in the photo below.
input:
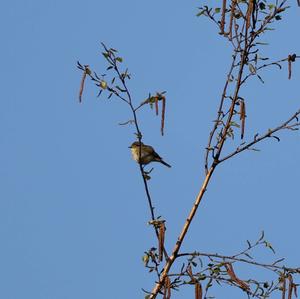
(257, 139)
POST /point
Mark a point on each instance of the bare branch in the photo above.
(268, 134)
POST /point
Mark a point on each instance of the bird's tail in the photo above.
(165, 163)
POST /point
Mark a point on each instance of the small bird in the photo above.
(148, 154)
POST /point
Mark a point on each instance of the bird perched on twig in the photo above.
(148, 154)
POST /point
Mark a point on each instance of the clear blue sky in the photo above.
(73, 214)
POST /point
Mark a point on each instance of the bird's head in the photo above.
(136, 144)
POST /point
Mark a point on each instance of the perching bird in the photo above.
(148, 154)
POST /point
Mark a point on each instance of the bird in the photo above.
(148, 154)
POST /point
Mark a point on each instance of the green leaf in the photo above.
(87, 70)
(252, 69)
(271, 6)
(248, 255)
(234, 124)
(249, 244)
(145, 259)
(262, 236)
(254, 149)
(120, 59)
(103, 84)
(200, 13)
(262, 44)
(217, 9)
(121, 89)
(262, 6)
(266, 285)
(268, 245)
(202, 277)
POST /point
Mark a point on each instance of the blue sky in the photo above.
(73, 214)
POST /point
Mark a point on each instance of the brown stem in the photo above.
(220, 113)
(222, 25)
(233, 4)
(186, 226)
(163, 112)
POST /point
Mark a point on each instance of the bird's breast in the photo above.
(135, 154)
